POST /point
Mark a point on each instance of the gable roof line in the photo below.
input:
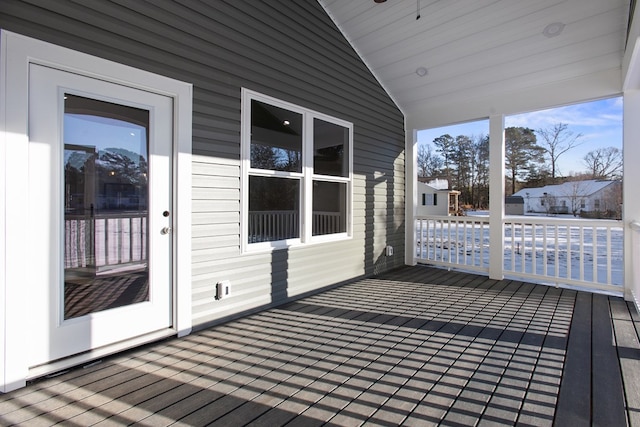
(363, 59)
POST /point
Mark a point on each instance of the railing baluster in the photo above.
(106, 241)
(523, 232)
(534, 244)
(557, 250)
(569, 252)
(608, 255)
(464, 242)
(595, 254)
(513, 245)
(456, 246)
(483, 247)
(544, 250)
(581, 236)
(473, 242)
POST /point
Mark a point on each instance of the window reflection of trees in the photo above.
(274, 158)
(120, 181)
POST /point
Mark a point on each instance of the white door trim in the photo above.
(16, 53)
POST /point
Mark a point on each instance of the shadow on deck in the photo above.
(417, 346)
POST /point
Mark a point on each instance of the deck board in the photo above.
(628, 346)
(574, 402)
(608, 402)
(414, 346)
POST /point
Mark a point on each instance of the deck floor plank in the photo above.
(607, 399)
(574, 401)
(413, 346)
(628, 346)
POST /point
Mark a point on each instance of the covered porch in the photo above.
(414, 346)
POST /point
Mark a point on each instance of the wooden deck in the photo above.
(417, 346)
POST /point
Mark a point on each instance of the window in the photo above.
(296, 174)
(583, 204)
(429, 199)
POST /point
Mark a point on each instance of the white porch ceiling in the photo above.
(487, 56)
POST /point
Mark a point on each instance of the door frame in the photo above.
(16, 53)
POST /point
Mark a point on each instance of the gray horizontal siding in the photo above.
(289, 50)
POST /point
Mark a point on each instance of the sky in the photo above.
(599, 122)
(103, 132)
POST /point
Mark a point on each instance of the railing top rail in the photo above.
(273, 212)
(524, 219)
(470, 218)
(578, 222)
(105, 215)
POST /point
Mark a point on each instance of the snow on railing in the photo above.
(585, 253)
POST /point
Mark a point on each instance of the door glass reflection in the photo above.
(106, 199)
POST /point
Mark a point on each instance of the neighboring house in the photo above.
(435, 198)
(573, 197)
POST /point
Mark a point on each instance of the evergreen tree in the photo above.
(521, 153)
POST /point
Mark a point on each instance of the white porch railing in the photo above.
(268, 226)
(583, 253)
(105, 241)
(453, 241)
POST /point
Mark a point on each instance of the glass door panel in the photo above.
(106, 198)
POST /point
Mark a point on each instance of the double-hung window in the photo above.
(296, 172)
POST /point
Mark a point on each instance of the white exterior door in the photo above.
(99, 213)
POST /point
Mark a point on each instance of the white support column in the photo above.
(496, 197)
(411, 197)
(14, 292)
(630, 199)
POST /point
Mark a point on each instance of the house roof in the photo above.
(436, 189)
(572, 188)
(468, 59)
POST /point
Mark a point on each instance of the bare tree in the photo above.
(429, 163)
(556, 141)
(612, 201)
(576, 193)
(549, 202)
(604, 163)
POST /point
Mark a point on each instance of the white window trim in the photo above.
(16, 53)
(306, 176)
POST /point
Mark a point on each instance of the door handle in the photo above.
(165, 230)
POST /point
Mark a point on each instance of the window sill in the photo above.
(295, 244)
